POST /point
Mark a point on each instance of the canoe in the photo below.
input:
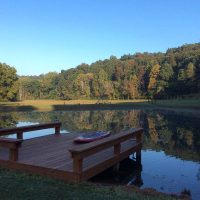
(92, 136)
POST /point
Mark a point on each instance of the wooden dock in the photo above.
(56, 155)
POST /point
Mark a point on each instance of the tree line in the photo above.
(141, 75)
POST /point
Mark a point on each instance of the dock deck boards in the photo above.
(49, 155)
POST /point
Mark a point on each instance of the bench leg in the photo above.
(138, 157)
(13, 154)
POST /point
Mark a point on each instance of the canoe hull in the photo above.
(91, 137)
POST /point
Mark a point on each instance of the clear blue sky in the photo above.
(38, 36)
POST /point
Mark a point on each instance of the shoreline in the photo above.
(86, 105)
(27, 186)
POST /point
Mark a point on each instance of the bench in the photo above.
(79, 152)
(14, 144)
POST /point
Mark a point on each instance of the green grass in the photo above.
(180, 103)
(50, 105)
(14, 186)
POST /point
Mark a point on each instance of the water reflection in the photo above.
(171, 141)
(128, 172)
(169, 174)
(177, 135)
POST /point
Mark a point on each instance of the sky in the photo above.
(39, 36)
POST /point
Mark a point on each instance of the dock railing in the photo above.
(14, 144)
(79, 152)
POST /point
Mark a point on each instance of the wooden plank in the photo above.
(10, 142)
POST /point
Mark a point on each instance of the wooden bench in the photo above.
(79, 152)
(14, 144)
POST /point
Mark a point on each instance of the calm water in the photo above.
(171, 143)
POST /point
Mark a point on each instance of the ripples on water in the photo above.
(171, 143)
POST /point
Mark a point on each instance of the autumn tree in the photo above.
(133, 87)
(152, 86)
(161, 75)
(189, 71)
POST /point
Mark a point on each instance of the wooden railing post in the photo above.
(77, 168)
(138, 153)
(117, 149)
(20, 135)
(138, 157)
(57, 129)
(139, 137)
(78, 165)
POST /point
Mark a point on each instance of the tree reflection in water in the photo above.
(176, 134)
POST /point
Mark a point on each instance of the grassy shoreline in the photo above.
(17, 185)
(51, 105)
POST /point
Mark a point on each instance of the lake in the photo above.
(171, 143)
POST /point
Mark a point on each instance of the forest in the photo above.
(172, 74)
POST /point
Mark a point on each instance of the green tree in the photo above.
(82, 85)
(101, 86)
(8, 77)
(165, 75)
(48, 85)
(174, 73)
